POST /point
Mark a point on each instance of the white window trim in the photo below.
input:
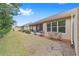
(57, 27)
(65, 28)
(49, 27)
(52, 26)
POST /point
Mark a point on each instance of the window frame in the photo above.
(57, 26)
(48, 28)
(62, 26)
(54, 26)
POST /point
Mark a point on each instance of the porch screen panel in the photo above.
(48, 27)
(54, 26)
(61, 26)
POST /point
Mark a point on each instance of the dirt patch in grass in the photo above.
(21, 44)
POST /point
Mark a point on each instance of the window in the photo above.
(41, 27)
(48, 27)
(57, 26)
(61, 26)
(54, 26)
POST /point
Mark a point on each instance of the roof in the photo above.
(27, 24)
(56, 16)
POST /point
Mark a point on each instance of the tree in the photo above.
(14, 25)
(7, 11)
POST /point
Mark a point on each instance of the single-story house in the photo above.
(64, 26)
(17, 28)
(26, 26)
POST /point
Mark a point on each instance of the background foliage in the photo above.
(7, 11)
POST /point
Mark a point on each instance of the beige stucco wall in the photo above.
(66, 35)
(77, 40)
(30, 27)
(45, 29)
(76, 32)
(17, 28)
(34, 28)
(26, 28)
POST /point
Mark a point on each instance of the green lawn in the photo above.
(13, 44)
(20, 44)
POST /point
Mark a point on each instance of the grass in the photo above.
(13, 44)
(20, 44)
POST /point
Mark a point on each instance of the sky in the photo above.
(31, 12)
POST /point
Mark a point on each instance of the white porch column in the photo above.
(76, 32)
(45, 28)
(57, 26)
(34, 28)
(51, 26)
(72, 29)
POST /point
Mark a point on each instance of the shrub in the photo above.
(27, 31)
(4, 31)
(1, 34)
